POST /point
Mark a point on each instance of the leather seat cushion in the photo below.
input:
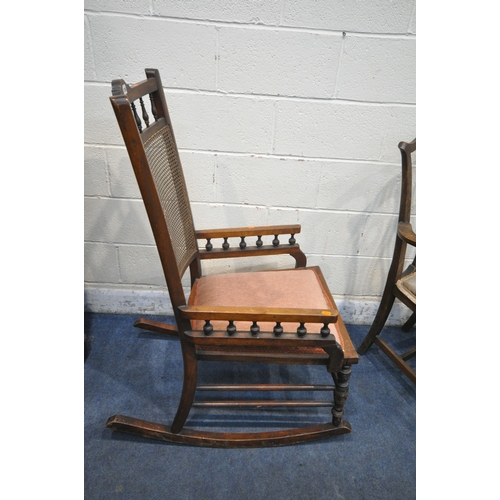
(290, 288)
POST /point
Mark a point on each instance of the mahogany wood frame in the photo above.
(404, 236)
(199, 344)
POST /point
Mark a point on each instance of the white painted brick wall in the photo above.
(258, 61)
(247, 11)
(378, 16)
(128, 44)
(372, 69)
(284, 111)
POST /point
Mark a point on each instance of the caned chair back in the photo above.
(155, 158)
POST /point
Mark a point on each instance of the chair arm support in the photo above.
(242, 250)
(406, 233)
(292, 250)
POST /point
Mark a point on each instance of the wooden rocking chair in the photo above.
(280, 316)
(401, 283)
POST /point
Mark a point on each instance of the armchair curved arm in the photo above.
(248, 231)
(406, 233)
(292, 248)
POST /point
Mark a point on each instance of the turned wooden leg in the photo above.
(340, 393)
(378, 323)
(188, 388)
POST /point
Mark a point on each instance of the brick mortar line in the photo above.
(308, 254)
(266, 97)
(339, 68)
(276, 156)
(250, 154)
(261, 207)
(294, 208)
(245, 25)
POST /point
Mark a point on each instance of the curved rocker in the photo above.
(225, 440)
(285, 316)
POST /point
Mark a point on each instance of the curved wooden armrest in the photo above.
(259, 249)
(406, 233)
(236, 232)
(259, 314)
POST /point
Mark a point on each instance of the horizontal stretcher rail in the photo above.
(263, 403)
(264, 387)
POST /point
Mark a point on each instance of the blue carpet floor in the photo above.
(139, 374)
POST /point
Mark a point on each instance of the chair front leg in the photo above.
(340, 393)
(381, 317)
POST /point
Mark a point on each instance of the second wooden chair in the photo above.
(401, 282)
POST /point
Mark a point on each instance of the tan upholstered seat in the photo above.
(408, 285)
(300, 287)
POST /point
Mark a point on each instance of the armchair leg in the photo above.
(340, 393)
(188, 388)
(410, 323)
(378, 323)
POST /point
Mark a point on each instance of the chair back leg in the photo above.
(188, 387)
